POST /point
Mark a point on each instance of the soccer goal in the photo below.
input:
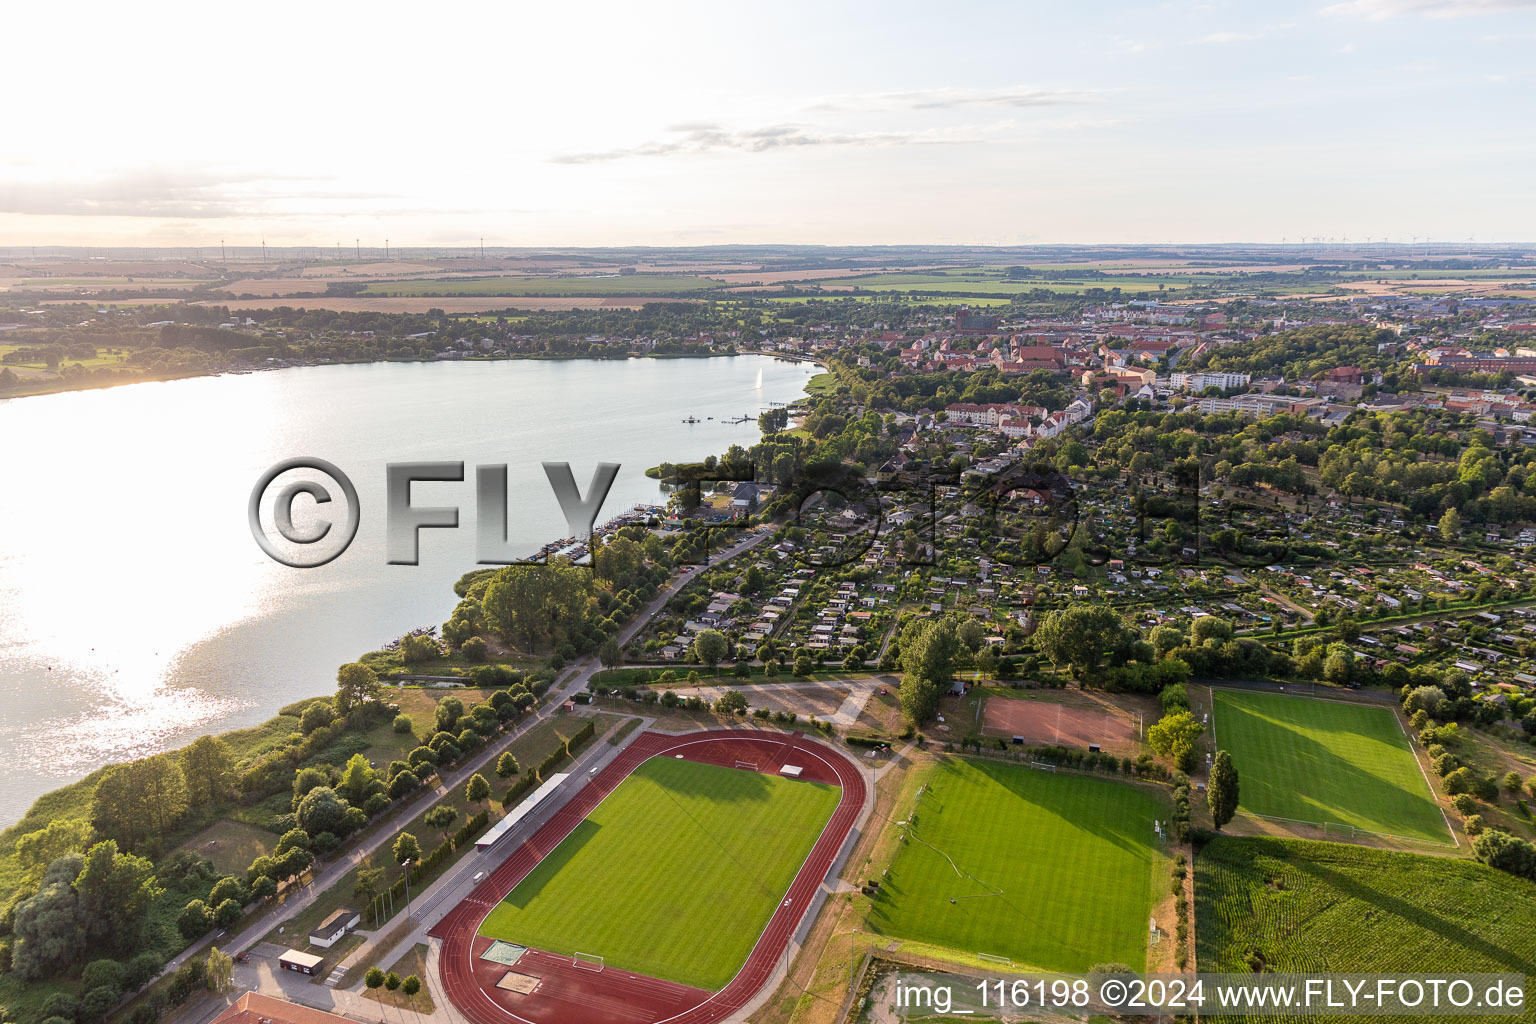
(992, 958)
(750, 766)
(587, 961)
(1043, 766)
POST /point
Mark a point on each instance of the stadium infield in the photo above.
(567, 991)
(1052, 870)
(674, 874)
(1326, 762)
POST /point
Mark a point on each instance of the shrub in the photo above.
(99, 1001)
(403, 723)
(1473, 825)
(1464, 804)
(98, 973)
(61, 1004)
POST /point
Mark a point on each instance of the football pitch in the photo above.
(1051, 870)
(675, 874)
(1326, 762)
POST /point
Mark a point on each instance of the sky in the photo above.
(822, 123)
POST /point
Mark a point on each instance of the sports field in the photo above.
(674, 874)
(1325, 761)
(1051, 870)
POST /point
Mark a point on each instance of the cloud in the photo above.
(1218, 38)
(1377, 10)
(947, 98)
(155, 192)
(695, 138)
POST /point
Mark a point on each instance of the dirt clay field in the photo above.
(1067, 718)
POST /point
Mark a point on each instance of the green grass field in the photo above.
(674, 874)
(634, 284)
(1325, 761)
(1325, 907)
(1048, 869)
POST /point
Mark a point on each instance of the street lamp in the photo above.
(406, 865)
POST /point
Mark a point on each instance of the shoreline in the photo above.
(102, 385)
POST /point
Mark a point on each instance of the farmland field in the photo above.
(1324, 907)
(993, 281)
(1048, 869)
(635, 284)
(1326, 762)
(674, 874)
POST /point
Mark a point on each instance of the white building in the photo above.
(1208, 379)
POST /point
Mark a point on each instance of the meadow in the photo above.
(1052, 870)
(675, 874)
(1302, 906)
(1326, 762)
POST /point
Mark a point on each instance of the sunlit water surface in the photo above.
(136, 610)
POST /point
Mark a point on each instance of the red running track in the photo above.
(567, 994)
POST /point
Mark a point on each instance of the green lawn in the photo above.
(674, 874)
(1325, 761)
(1051, 870)
(1325, 907)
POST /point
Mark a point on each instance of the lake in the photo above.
(136, 609)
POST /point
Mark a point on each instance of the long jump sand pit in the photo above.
(1066, 718)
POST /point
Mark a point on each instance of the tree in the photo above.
(732, 702)
(803, 665)
(406, 848)
(710, 646)
(140, 799)
(356, 685)
(507, 766)
(1512, 782)
(441, 818)
(358, 779)
(928, 649)
(36, 850)
(47, 924)
(1078, 637)
(219, 971)
(1423, 698)
(1450, 526)
(610, 654)
(410, 984)
(207, 766)
(227, 913)
(367, 885)
(532, 605)
(478, 790)
(117, 892)
(194, 921)
(1222, 792)
(1173, 731)
(321, 810)
(374, 978)
(391, 981)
